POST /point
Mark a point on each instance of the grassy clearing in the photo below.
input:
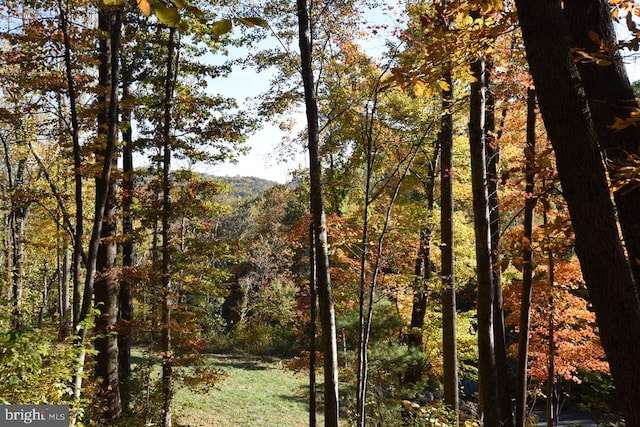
(255, 392)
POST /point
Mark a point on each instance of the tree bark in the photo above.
(77, 164)
(325, 295)
(486, 292)
(106, 300)
(492, 152)
(125, 313)
(166, 346)
(552, 404)
(527, 263)
(363, 308)
(103, 244)
(449, 341)
(313, 297)
(423, 270)
(609, 95)
(582, 174)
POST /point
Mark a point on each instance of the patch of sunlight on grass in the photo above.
(254, 393)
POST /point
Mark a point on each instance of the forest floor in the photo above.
(255, 392)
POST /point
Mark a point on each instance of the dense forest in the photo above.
(463, 248)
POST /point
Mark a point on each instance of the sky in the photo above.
(264, 160)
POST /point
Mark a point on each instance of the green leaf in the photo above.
(178, 3)
(222, 27)
(113, 2)
(253, 21)
(167, 15)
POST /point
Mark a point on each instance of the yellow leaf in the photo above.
(178, 3)
(444, 85)
(145, 7)
(167, 15)
(253, 21)
(221, 27)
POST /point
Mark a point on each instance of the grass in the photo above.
(255, 392)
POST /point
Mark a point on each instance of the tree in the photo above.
(527, 264)
(449, 344)
(582, 173)
(103, 243)
(486, 291)
(325, 296)
(611, 101)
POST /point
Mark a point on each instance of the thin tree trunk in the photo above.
(363, 308)
(64, 289)
(582, 174)
(312, 329)
(325, 295)
(527, 263)
(16, 222)
(486, 292)
(77, 164)
(493, 158)
(422, 270)
(125, 313)
(46, 288)
(552, 413)
(449, 340)
(167, 292)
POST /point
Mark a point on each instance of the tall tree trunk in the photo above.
(63, 287)
(583, 177)
(325, 295)
(486, 292)
(106, 301)
(423, 269)
(527, 263)
(363, 300)
(105, 284)
(77, 164)
(493, 158)
(125, 313)
(63, 233)
(46, 289)
(312, 329)
(449, 340)
(552, 403)
(16, 224)
(109, 22)
(167, 292)
(610, 96)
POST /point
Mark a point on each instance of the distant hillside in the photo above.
(246, 187)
